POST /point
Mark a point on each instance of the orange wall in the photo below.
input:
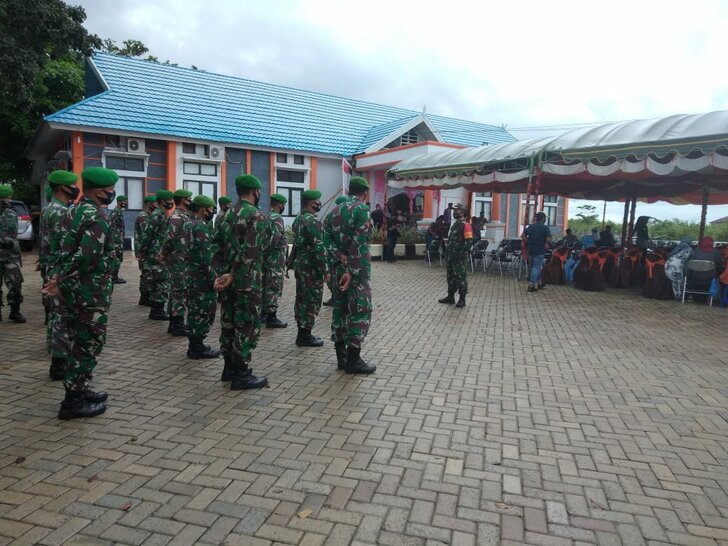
(171, 166)
(248, 162)
(427, 205)
(495, 208)
(77, 155)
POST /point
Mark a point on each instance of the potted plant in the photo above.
(410, 236)
(376, 246)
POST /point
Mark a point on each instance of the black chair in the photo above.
(478, 253)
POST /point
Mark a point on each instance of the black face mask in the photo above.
(257, 200)
(168, 205)
(209, 216)
(72, 192)
(110, 196)
(316, 207)
(4, 205)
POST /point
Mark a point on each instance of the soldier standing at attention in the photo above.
(82, 276)
(140, 223)
(274, 261)
(174, 255)
(10, 261)
(154, 236)
(327, 243)
(202, 301)
(351, 268)
(116, 219)
(64, 192)
(239, 260)
(458, 244)
(309, 263)
(225, 204)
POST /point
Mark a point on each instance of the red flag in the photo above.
(345, 166)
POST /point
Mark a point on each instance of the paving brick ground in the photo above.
(563, 417)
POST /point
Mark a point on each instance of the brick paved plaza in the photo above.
(563, 417)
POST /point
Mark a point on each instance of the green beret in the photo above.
(184, 194)
(358, 181)
(121, 198)
(340, 199)
(278, 197)
(49, 193)
(164, 194)
(98, 177)
(203, 201)
(62, 178)
(247, 181)
(312, 195)
(224, 200)
(5, 191)
(150, 199)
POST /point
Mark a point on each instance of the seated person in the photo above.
(431, 234)
(570, 240)
(706, 251)
(475, 224)
(591, 240)
(606, 237)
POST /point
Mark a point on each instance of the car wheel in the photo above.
(26, 245)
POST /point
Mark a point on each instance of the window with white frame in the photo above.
(293, 203)
(199, 187)
(550, 207)
(133, 188)
(202, 169)
(132, 170)
(292, 180)
(483, 205)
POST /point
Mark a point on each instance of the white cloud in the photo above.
(520, 63)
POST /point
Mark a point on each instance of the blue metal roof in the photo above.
(154, 98)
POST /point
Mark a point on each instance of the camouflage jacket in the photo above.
(174, 248)
(239, 242)
(140, 223)
(276, 245)
(155, 232)
(116, 220)
(310, 255)
(349, 236)
(86, 257)
(199, 253)
(9, 247)
(328, 225)
(458, 240)
(50, 232)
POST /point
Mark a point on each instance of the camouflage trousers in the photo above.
(119, 253)
(201, 308)
(145, 281)
(159, 291)
(309, 296)
(88, 331)
(239, 323)
(352, 311)
(11, 275)
(456, 278)
(272, 288)
(177, 306)
(58, 327)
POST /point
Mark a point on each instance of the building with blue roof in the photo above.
(163, 126)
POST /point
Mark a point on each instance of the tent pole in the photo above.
(624, 220)
(704, 212)
(604, 215)
(632, 210)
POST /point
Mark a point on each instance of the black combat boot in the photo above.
(119, 280)
(198, 350)
(177, 327)
(242, 377)
(15, 314)
(328, 303)
(305, 339)
(144, 300)
(75, 405)
(450, 297)
(46, 317)
(57, 369)
(272, 321)
(227, 368)
(461, 299)
(94, 397)
(341, 355)
(355, 364)
(157, 312)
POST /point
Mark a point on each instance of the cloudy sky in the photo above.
(523, 64)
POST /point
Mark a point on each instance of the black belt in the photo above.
(7, 246)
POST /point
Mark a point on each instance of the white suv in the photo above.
(25, 226)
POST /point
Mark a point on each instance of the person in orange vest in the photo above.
(459, 240)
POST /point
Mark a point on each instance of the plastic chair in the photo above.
(435, 246)
(478, 253)
(698, 276)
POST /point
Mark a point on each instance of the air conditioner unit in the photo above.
(135, 145)
(216, 152)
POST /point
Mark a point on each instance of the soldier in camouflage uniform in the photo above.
(174, 255)
(202, 302)
(63, 192)
(140, 223)
(310, 265)
(274, 261)
(225, 204)
(239, 262)
(348, 241)
(327, 238)
(153, 237)
(82, 276)
(118, 228)
(10, 261)
(459, 239)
